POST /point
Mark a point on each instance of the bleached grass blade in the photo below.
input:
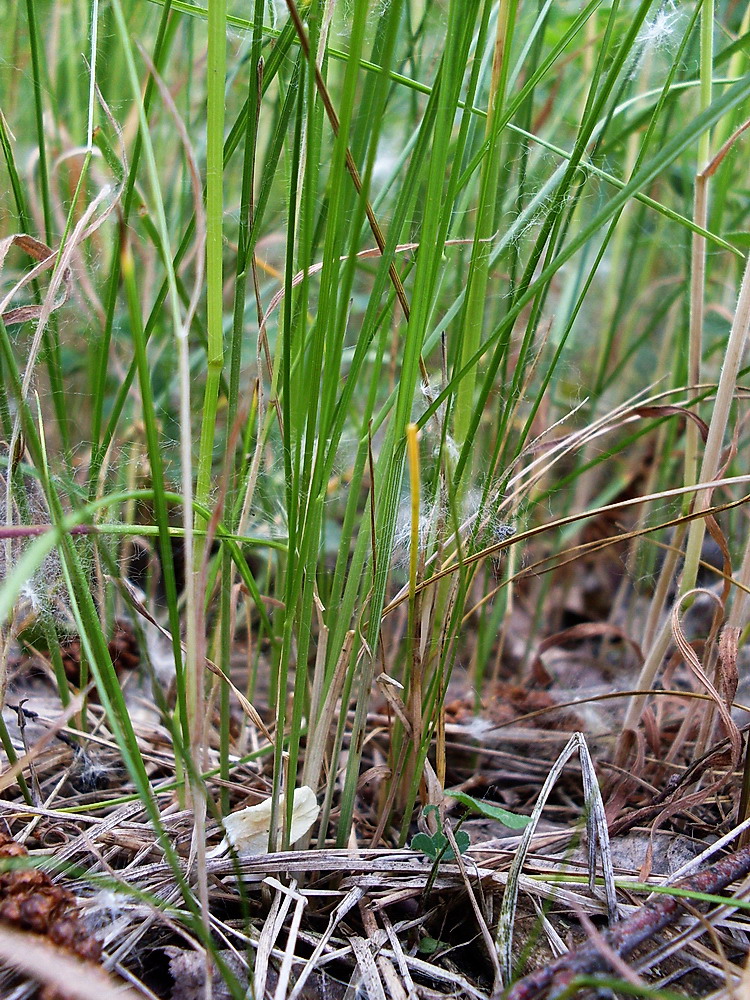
(400, 957)
(320, 724)
(349, 901)
(273, 923)
(481, 922)
(368, 970)
(596, 826)
(300, 902)
(556, 943)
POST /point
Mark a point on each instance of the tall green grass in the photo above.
(523, 175)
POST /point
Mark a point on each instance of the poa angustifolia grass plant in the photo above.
(378, 281)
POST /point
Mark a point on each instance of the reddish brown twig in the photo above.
(625, 937)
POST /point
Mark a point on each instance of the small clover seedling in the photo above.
(436, 846)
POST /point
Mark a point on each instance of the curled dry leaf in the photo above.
(248, 829)
(45, 257)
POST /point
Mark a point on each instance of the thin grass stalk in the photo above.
(723, 402)
(266, 416)
(413, 676)
(12, 32)
(216, 76)
(19, 197)
(94, 33)
(195, 611)
(369, 123)
(245, 249)
(478, 276)
(224, 658)
(734, 626)
(527, 63)
(698, 244)
(10, 752)
(66, 81)
(431, 725)
(320, 724)
(152, 437)
(36, 46)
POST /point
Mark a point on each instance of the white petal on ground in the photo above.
(247, 830)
